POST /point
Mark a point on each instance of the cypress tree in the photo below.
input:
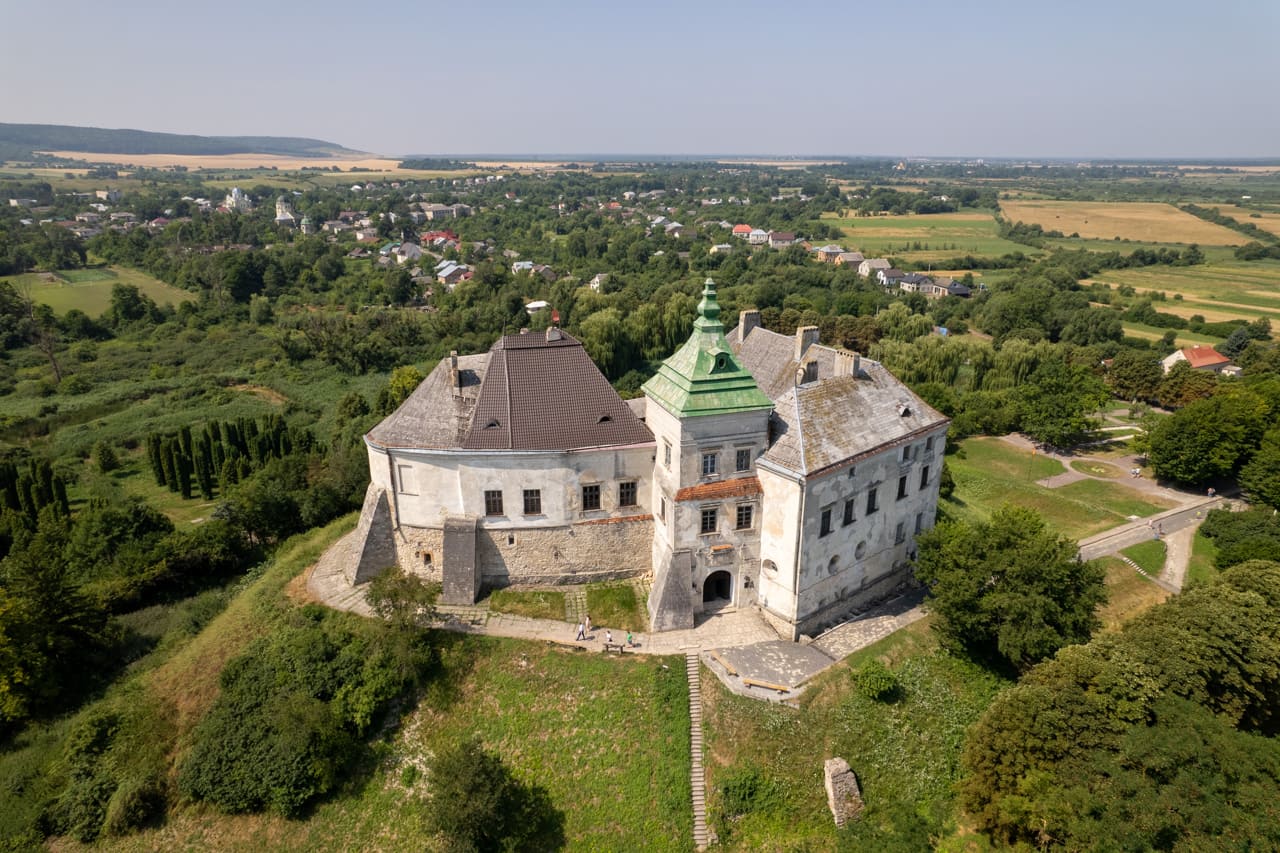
(170, 465)
(184, 438)
(184, 466)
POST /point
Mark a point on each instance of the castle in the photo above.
(758, 470)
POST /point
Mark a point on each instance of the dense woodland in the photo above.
(250, 400)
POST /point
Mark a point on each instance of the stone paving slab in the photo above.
(779, 662)
(872, 626)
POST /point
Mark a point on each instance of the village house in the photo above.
(1198, 357)
(758, 237)
(890, 278)
(869, 266)
(849, 259)
(742, 232)
(781, 239)
(828, 253)
(759, 470)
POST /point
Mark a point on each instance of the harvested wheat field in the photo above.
(1266, 220)
(1146, 221)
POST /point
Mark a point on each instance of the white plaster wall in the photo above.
(779, 534)
(453, 482)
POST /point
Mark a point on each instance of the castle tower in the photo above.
(710, 421)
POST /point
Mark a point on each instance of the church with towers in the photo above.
(758, 470)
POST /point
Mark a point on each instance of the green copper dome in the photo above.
(703, 377)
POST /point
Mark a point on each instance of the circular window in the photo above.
(833, 565)
(861, 550)
(769, 566)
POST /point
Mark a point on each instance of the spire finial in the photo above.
(708, 308)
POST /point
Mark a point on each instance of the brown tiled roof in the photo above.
(1203, 356)
(738, 488)
(542, 394)
(526, 393)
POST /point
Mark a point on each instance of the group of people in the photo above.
(584, 628)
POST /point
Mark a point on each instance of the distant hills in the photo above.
(18, 141)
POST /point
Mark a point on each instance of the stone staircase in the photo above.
(701, 838)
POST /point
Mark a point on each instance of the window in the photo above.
(928, 444)
(906, 453)
(924, 477)
(710, 464)
(493, 502)
(666, 453)
(591, 497)
(408, 485)
(533, 502)
(743, 459)
(745, 512)
(662, 509)
(919, 521)
(902, 487)
(627, 493)
(709, 520)
(848, 512)
(900, 535)
(825, 528)
(871, 501)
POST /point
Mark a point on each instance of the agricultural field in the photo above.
(1223, 290)
(90, 289)
(940, 236)
(1267, 220)
(1147, 221)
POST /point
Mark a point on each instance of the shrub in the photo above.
(876, 682)
(135, 803)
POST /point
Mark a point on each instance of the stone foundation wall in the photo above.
(578, 553)
(816, 622)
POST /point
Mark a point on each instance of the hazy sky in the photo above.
(905, 78)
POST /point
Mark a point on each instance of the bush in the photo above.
(104, 456)
(876, 682)
(135, 803)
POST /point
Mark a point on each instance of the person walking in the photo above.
(582, 635)
(588, 623)
(608, 637)
(630, 642)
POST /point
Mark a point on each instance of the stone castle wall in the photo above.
(576, 553)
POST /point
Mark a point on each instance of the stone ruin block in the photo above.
(843, 795)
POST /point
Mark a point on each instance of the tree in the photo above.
(1009, 590)
(1261, 476)
(1208, 438)
(1134, 374)
(478, 805)
(1056, 401)
(402, 597)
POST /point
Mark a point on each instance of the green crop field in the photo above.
(941, 236)
(90, 289)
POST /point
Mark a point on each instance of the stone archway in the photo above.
(717, 590)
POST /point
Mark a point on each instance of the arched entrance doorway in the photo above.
(717, 590)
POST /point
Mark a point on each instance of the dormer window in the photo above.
(492, 425)
(604, 419)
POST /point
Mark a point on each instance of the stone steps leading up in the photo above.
(701, 837)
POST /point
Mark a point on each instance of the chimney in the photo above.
(807, 372)
(553, 333)
(454, 377)
(847, 363)
(806, 336)
(747, 320)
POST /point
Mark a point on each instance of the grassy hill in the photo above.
(20, 140)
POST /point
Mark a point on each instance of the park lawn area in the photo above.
(1128, 593)
(1095, 468)
(989, 473)
(941, 236)
(905, 753)
(614, 605)
(1147, 221)
(1182, 338)
(1149, 555)
(534, 603)
(134, 477)
(90, 289)
(1201, 566)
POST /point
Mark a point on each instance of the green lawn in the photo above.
(534, 603)
(90, 289)
(990, 472)
(1148, 555)
(614, 605)
(1201, 568)
(1128, 593)
(905, 753)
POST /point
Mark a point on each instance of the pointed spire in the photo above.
(709, 309)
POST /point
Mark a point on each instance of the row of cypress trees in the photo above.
(221, 453)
